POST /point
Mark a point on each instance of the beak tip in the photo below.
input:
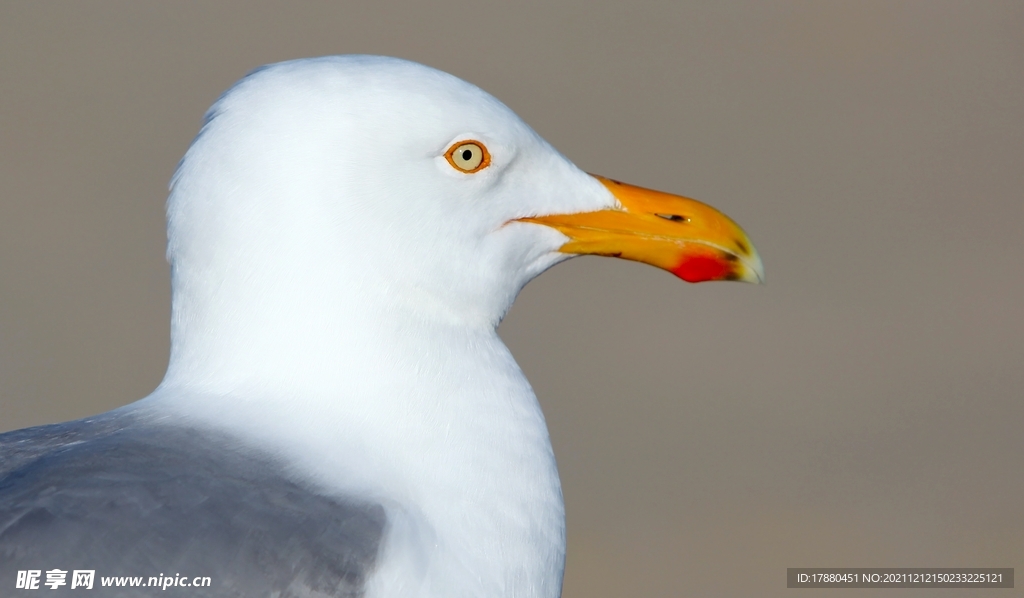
(757, 268)
(754, 268)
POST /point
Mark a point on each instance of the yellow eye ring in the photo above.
(468, 156)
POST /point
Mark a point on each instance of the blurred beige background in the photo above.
(865, 408)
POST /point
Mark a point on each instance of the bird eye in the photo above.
(468, 156)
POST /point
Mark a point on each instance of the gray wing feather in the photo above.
(129, 498)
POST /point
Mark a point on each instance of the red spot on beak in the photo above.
(700, 268)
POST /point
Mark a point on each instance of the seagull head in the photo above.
(322, 192)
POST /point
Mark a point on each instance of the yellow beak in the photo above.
(684, 236)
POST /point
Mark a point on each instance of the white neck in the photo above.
(448, 435)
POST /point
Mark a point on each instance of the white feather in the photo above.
(336, 291)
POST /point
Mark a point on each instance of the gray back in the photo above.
(125, 497)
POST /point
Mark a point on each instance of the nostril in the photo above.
(673, 217)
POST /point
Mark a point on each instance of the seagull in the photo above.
(339, 416)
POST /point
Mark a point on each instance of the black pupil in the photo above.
(467, 154)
